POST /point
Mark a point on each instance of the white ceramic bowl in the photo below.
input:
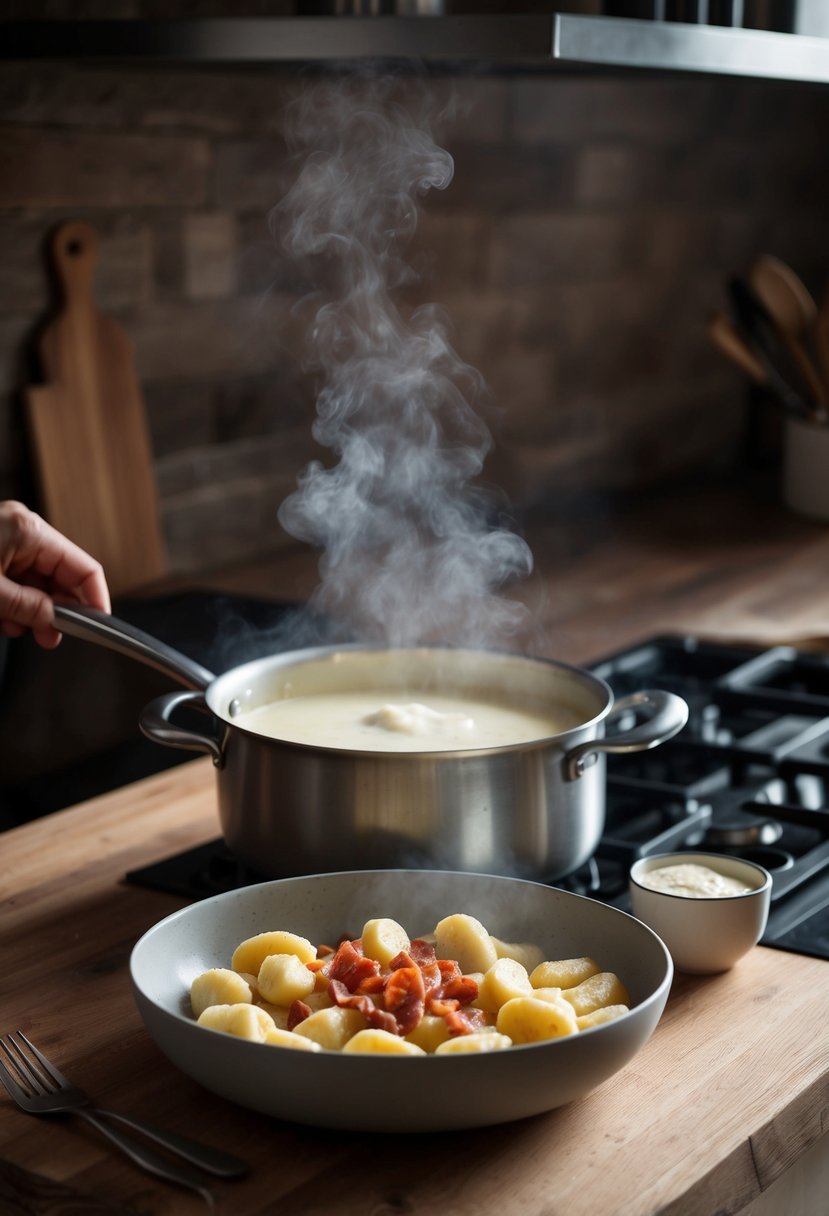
(432, 1093)
(704, 935)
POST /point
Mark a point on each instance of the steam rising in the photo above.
(410, 552)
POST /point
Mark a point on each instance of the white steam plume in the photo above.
(410, 553)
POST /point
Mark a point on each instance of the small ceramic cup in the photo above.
(708, 934)
(805, 481)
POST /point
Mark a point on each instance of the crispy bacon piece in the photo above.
(371, 983)
(405, 997)
(439, 1007)
(465, 1021)
(298, 1012)
(350, 966)
(459, 1021)
(403, 959)
(449, 969)
(420, 954)
(461, 988)
(378, 1019)
(416, 981)
(423, 954)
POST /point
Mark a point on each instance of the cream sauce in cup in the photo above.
(693, 881)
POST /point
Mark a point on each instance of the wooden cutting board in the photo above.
(89, 427)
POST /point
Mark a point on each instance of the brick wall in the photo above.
(590, 227)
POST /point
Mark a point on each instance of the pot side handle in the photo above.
(669, 715)
(155, 723)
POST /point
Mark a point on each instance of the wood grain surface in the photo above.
(728, 1092)
(89, 429)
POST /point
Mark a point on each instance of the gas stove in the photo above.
(748, 776)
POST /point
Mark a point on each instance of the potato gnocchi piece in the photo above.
(331, 1028)
(250, 954)
(603, 988)
(465, 939)
(608, 1013)
(469, 1044)
(547, 994)
(277, 1013)
(563, 973)
(529, 1020)
(505, 980)
(429, 1033)
(383, 939)
(381, 1042)
(243, 1021)
(219, 986)
(283, 979)
(525, 953)
(318, 999)
(279, 1037)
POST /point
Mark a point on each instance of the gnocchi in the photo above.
(220, 986)
(455, 991)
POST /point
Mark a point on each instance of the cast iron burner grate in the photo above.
(748, 776)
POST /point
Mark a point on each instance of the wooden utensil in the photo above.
(727, 338)
(89, 428)
(792, 308)
(795, 384)
(784, 294)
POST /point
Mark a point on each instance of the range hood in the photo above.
(773, 39)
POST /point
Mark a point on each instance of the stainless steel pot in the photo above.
(533, 809)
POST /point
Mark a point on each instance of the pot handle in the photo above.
(669, 715)
(155, 723)
(92, 625)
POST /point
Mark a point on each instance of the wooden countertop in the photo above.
(728, 1093)
(731, 1091)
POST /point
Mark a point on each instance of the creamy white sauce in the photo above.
(417, 719)
(355, 720)
(693, 881)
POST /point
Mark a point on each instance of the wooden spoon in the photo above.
(784, 294)
(793, 311)
(792, 378)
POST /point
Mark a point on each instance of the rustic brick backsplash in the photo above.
(590, 227)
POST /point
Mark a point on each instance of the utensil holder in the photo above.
(805, 480)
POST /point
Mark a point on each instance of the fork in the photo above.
(45, 1090)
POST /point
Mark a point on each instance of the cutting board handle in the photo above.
(74, 254)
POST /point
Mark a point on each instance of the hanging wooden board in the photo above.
(89, 428)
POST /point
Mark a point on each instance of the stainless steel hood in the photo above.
(773, 39)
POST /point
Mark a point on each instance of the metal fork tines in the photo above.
(39, 1088)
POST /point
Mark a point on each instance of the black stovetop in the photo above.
(748, 776)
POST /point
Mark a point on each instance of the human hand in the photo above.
(39, 565)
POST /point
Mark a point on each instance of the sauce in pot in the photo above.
(355, 720)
